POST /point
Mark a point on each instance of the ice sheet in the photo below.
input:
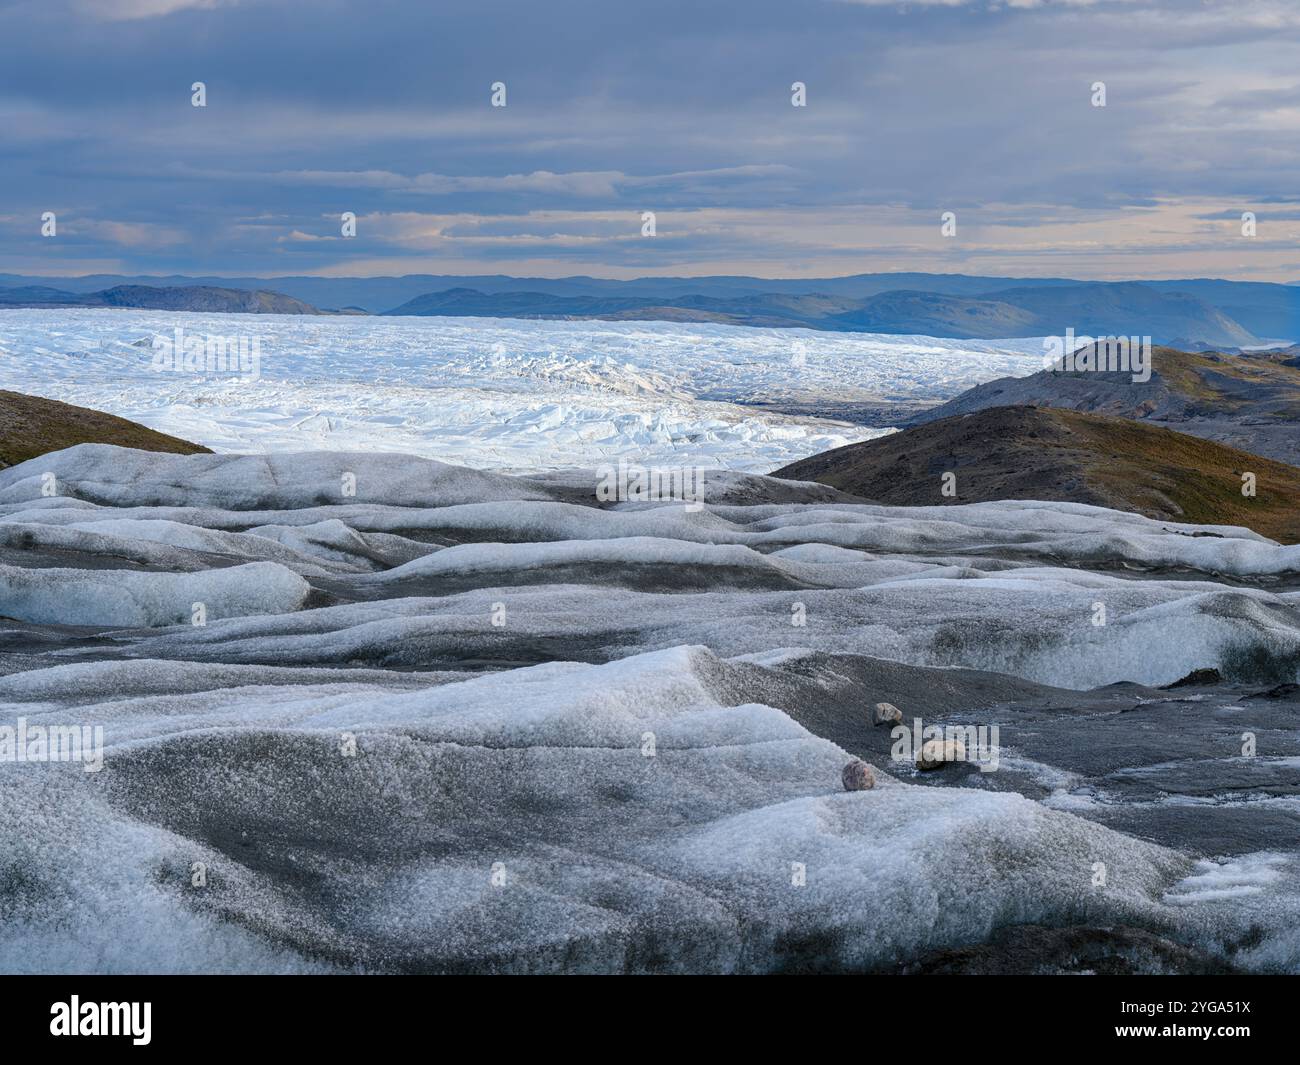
(496, 393)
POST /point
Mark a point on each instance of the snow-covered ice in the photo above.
(513, 823)
(455, 720)
(496, 393)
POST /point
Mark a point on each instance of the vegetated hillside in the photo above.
(1059, 455)
(32, 426)
(1249, 401)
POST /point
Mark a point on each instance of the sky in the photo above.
(683, 108)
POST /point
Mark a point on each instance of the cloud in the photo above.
(127, 10)
(127, 234)
(903, 5)
(601, 184)
(586, 183)
(297, 236)
(982, 107)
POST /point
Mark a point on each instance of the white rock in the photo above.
(935, 754)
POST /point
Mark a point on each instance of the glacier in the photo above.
(442, 719)
(498, 393)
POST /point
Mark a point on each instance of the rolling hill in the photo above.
(1249, 401)
(1062, 455)
(204, 298)
(32, 426)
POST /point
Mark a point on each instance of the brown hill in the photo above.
(1249, 401)
(1051, 454)
(31, 426)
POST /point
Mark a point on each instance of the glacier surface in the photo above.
(496, 393)
(451, 720)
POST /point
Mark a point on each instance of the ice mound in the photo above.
(444, 720)
(332, 541)
(562, 818)
(119, 598)
(94, 682)
(80, 892)
(471, 566)
(553, 562)
(1034, 632)
(1228, 901)
(115, 476)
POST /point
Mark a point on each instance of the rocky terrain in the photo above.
(1249, 401)
(1055, 454)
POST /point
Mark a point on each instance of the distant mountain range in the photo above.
(153, 298)
(1193, 313)
(1098, 309)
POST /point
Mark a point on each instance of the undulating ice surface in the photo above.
(370, 711)
(495, 393)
